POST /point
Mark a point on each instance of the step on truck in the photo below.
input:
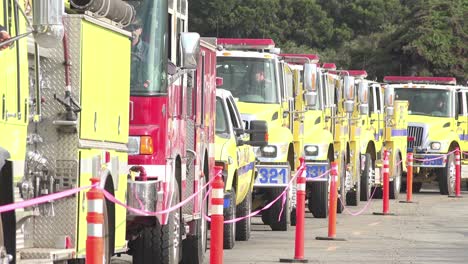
(437, 126)
(253, 72)
(75, 107)
(236, 157)
(172, 131)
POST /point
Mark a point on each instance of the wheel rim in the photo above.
(451, 175)
(176, 239)
(397, 183)
(370, 174)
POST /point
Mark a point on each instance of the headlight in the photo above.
(133, 145)
(311, 150)
(269, 151)
(435, 145)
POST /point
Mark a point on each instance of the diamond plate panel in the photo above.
(47, 229)
(60, 149)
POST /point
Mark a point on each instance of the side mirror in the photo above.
(258, 133)
(363, 91)
(310, 84)
(190, 43)
(47, 22)
(219, 81)
(349, 94)
(389, 99)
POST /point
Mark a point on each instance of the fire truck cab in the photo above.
(436, 126)
(253, 72)
(171, 135)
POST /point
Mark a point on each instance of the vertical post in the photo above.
(457, 174)
(409, 178)
(300, 211)
(333, 201)
(300, 217)
(332, 205)
(95, 224)
(386, 185)
(217, 219)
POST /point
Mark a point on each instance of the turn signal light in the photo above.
(146, 145)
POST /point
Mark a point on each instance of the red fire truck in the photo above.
(171, 144)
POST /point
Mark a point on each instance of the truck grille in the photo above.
(416, 133)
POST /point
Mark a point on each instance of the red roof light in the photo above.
(329, 66)
(240, 43)
(420, 79)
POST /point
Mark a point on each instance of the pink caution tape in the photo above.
(437, 158)
(42, 199)
(112, 198)
(363, 209)
(270, 204)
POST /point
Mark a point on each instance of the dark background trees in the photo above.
(384, 37)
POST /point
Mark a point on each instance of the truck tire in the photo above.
(266, 217)
(318, 198)
(341, 192)
(417, 187)
(160, 243)
(275, 210)
(447, 176)
(395, 185)
(7, 219)
(230, 229)
(365, 178)
(194, 247)
(243, 226)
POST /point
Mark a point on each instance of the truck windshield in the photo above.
(221, 118)
(149, 47)
(430, 102)
(252, 80)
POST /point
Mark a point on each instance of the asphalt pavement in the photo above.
(433, 230)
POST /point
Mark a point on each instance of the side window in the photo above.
(462, 103)
(180, 29)
(289, 82)
(169, 39)
(378, 99)
(233, 114)
(281, 75)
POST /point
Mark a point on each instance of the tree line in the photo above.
(384, 37)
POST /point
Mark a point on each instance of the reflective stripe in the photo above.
(216, 209)
(301, 187)
(410, 163)
(95, 230)
(386, 170)
(217, 193)
(96, 206)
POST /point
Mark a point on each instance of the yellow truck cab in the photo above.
(379, 127)
(437, 125)
(237, 158)
(262, 84)
(317, 119)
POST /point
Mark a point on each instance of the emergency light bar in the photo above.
(329, 66)
(300, 58)
(421, 80)
(246, 44)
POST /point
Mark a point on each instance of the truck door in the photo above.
(462, 120)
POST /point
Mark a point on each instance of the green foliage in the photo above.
(385, 37)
